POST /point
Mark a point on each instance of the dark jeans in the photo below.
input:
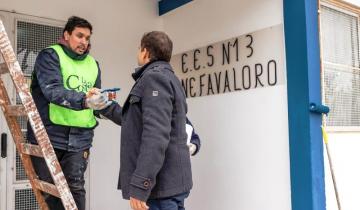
(171, 203)
(74, 166)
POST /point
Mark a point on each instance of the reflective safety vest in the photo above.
(78, 75)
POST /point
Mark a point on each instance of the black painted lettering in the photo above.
(191, 80)
(226, 53)
(235, 86)
(258, 73)
(249, 77)
(236, 46)
(184, 83)
(273, 72)
(183, 68)
(209, 54)
(201, 83)
(196, 52)
(249, 46)
(210, 85)
(218, 81)
(227, 83)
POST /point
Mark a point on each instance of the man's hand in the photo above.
(192, 148)
(138, 204)
(92, 92)
(96, 100)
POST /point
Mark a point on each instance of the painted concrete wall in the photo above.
(118, 27)
(355, 2)
(344, 150)
(244, 161)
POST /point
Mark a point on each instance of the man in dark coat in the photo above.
(155, 168)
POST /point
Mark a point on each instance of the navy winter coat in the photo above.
(154, 156)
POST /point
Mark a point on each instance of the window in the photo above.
(341, 72)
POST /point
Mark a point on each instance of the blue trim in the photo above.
(168, 5)
(303, 83)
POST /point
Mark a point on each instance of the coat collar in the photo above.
(140, 70)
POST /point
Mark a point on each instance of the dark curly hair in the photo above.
(75, 21)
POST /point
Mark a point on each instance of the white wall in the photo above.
(244, 161)
(344, 151)
(355, 2)
(118, 27)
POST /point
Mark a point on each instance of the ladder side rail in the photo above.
(18, 139)
(35, 120)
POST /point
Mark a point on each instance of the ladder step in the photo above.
(46, 187)
(31, 149)
(15, 110)
(3, 68)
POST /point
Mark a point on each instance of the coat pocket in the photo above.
(131, 100)
(134, 99)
